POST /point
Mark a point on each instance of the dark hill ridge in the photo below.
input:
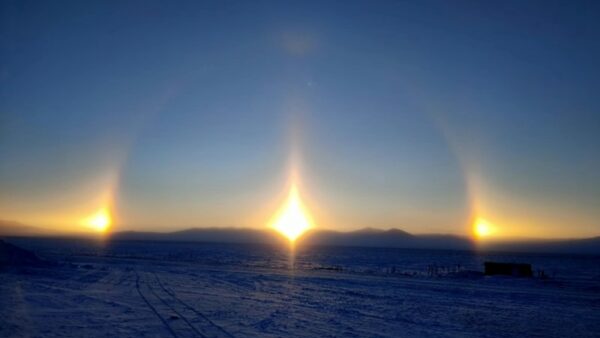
(12, 228)
(219, 235)
(394, 238)
(585, 246)
(17, 229)
(365, 237)
(13, 256)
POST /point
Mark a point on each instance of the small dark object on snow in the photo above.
(508, 269)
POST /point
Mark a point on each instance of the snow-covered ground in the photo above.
(201, 290)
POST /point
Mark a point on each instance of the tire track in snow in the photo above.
(175, 310)
(221, 332)
(137, 286)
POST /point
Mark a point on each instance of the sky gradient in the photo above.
(418, 115)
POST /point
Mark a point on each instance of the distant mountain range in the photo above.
(588, 246)
(220, 235)
(365, 237)
(12, 228)
(368, 237)
(394, 238)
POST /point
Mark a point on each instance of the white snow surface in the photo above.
(166, 290)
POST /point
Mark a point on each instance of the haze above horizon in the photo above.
(456, 118)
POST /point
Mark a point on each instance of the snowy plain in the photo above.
(159, 289)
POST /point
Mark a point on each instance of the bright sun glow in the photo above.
(292, 220)
(99, 221)
(483, 228)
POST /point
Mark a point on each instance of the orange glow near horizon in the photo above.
(482, 228)
(100, 221)
(293, 219)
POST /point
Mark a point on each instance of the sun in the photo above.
(100, 221)
(292, 220)
(483, 228)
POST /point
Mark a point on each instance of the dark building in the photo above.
(508, 269)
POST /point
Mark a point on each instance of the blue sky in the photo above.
(417, 115)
